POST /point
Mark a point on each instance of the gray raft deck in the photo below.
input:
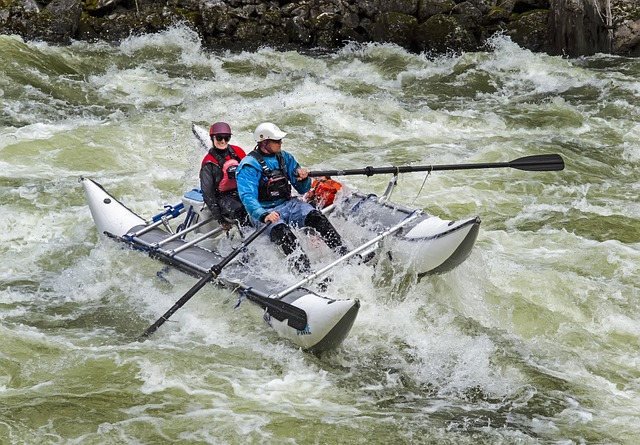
(196, 261)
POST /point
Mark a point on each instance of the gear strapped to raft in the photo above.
(323, 192)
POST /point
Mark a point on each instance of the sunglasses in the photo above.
(223, 137)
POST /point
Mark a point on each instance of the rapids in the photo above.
(534, 339)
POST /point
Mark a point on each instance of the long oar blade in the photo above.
(539, 163)
(278, 309)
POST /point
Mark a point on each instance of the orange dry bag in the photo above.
(323, 192)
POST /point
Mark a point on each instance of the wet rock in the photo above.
(500, 13)
(530, 30)
(409, 7)
(574, 27)
(444, 33)
(577, 29)
(429, 8)
(395, 27)
(484, 5)
(59, 21)
(627, 38)
(100, 8)
(323, 28)
(468, 15)
(624, 26)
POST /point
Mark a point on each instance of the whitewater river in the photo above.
(534, 339)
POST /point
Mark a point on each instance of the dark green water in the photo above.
(534, 339)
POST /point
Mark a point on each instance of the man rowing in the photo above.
(265, 178)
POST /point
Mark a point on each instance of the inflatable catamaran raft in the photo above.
(311, 321)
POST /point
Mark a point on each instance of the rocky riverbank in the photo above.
(566, 27)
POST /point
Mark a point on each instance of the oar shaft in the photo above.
(248, 240)
(370, 171)
(213, 272)
(181, 302)
(547, 162)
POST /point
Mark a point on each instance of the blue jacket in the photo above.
(248, 175)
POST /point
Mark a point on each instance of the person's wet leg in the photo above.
(282, 235)
(323, 226)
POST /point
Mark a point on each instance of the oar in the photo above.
(202, 135)
(536, 163)
(298, 317)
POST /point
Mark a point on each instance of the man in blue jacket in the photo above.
(265, 178)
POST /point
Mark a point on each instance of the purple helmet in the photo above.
(220, 128)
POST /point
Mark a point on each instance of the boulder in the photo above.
(577, 28)
(627, 38)
(395, 27)
(444, 33)
(530, 30)
(61, 19)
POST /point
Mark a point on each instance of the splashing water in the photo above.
(533, 339)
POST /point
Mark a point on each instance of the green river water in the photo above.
(535, 339)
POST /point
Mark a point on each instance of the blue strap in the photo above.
(169, 211)
(356, 207)
(187, 221)
(242, 294)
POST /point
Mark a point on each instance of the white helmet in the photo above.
(267, 130)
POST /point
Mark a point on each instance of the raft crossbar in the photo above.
(182, 232)
(145, 229)
(360, 249)
(168, 254)
(195, 241)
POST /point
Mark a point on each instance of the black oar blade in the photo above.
(296, 317)
(539, 163)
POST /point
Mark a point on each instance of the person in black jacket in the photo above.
(217, 178)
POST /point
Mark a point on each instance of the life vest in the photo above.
(234, 156)
(228, 181)
(274, 184)
(323, 192)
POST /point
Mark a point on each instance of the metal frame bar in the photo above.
(361, 248)
(195, 241)
(183, 232)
